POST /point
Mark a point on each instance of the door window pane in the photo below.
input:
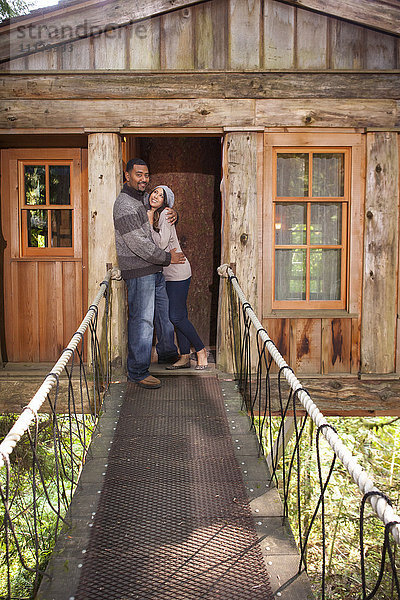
(290, 224)
(37, 228)
(290, 274)
(326, 223)
(61, 228)
(35, 184)
(59, 188)
(292, 174)
(325, 274)
(328, 175)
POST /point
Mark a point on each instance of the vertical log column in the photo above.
(379, 309)
(105, 182)
(239, 232)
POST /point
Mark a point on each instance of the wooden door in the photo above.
(42, 221)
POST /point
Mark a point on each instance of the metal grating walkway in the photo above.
(173, 520)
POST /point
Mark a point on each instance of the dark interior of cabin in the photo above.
(191, 167)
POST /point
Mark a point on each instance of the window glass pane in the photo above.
(37, 228)
(326, 223)
(59, 177)
(35, 184)
(292, 174)
(325, 274)
(328, 175)
(290, 274)
(290, 223)
(61, 228)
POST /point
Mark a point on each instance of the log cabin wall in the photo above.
(244, 70)
(214, 35)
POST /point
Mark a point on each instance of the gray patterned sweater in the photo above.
(137, 253)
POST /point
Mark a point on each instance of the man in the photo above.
(141, 262)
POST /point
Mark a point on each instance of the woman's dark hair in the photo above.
(159, 210)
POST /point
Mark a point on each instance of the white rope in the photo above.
(28, 414)
(358, 474)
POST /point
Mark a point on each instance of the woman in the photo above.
(177, 278)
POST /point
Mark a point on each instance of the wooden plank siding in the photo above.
(213, 34)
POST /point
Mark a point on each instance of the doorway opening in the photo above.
(191, 167)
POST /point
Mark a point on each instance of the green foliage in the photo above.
(51, 494)
(376, 445)
(13, 8)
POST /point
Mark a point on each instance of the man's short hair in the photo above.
(134, 161)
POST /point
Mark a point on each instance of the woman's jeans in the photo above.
(185, 332)
(146, 295)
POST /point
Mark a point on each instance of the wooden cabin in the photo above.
(275, 122)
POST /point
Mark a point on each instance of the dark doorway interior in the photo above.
(191, 167)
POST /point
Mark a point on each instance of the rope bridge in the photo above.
(250, 339)
(42, 457)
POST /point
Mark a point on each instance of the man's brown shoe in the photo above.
(149, 383)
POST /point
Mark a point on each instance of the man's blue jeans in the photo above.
(144, 293)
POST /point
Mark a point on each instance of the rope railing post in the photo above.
(366, 485)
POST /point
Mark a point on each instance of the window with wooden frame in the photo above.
(46, 208)
(311, 196)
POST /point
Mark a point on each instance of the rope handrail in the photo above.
(28, 414)
(378, 500)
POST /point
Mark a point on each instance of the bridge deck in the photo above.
(183, 510)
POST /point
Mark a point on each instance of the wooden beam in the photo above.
(378, 14)
(378, 323)
(114, 114)
(105, 182)
(130, 85)
(240, 239)
(21, 37)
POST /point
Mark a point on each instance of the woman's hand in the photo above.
(150, 215)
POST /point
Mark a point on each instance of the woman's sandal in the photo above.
(201, 367)
(186, 365)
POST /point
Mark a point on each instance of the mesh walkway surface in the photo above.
(173, 521)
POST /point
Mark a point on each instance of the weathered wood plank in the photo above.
(244, 34)
(131, 113)
(110, 50)
(347, 45)
(211, 39)
(177, 35)
(197, 113)
(105, 182)
(378, 330)
(144, 44)
(78, 55)
(278, 331)
(279, 35)
(380, 50)
(73, 23)
(240, 229)
(124, 85)
(311, 35)
(378, 14)
(344, 396)
(335, 345)
(43, 61)
(305, 345)
(326, 113)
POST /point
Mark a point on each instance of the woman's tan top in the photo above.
(166, 239)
